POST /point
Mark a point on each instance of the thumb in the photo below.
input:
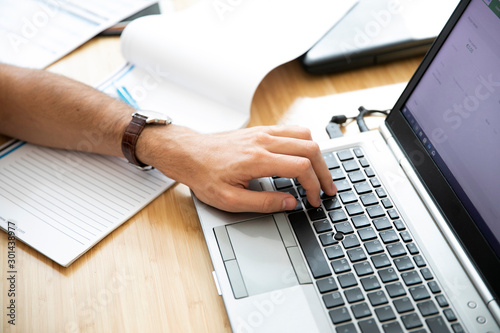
(263, 202)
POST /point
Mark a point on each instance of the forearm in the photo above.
(51, 110)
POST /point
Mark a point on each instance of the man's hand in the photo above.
(218, 167)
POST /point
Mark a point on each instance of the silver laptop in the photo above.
(379, 31)
(411, 242)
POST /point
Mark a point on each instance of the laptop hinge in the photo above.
(495, 310)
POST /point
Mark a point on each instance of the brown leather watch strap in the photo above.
(130, 138)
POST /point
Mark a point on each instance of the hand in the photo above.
(218, 167)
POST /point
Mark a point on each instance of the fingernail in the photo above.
(334, 188)
(289, 204)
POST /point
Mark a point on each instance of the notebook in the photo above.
(411, 241)
(378, 31)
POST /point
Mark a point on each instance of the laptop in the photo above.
(378, 31)
(411, 241)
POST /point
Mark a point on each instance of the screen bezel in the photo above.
(457, 217)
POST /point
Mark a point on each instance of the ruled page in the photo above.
(64, 202)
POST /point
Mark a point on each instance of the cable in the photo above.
(333, 128)
(364, 112)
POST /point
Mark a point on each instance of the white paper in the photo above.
(202, 65)
(35, 33)
(64, 202)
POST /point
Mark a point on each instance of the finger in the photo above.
(290, 167)
(242, 200)
(291, 131)
(308, 149)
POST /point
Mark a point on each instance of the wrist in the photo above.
(161, 147)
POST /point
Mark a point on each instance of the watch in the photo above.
(140, 119)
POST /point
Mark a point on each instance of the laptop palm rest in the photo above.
(260, 256)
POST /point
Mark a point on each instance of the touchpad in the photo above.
(262, 258)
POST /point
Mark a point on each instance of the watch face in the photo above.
(154, 117)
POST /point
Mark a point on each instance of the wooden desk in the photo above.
(152, 274)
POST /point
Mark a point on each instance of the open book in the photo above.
(201, 66)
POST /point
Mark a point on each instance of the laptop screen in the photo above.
(455, 112)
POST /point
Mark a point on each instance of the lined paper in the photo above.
(64, 202)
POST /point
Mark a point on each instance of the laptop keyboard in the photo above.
(368, 270)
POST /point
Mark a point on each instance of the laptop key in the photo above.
(396, 249)
(437, 325)
(354, 295)
(337, 216)
(348, 197)
(309, 244)
(342, 185)
(354, 209)
(358, 152)
(334, 252)
(344, 227)
(388, 275)
(333, 300)
(337, 174)
(442, 301)
(419, 260)
(388, 236)
(367, 234)
(450, 315)
(340, 266)
(347, 328)
(360, 221)
(281, 183)
(331, 161)
(362, 188)
(375, 182)
(347, 280)
(369, 172)
(331, 204)
(375, 211)
(322, 226)
(382, 223)
(377, 298)
(368, 326)
(395, 289)
(373, 247)
(316, 214)
(380, 260)
(411, 278)
(363, 268)
(403, 305)
(393, 327)
(381, 192)
(369, 199)
(326, 285)
(427, 308)
(403, 263)
(356, 254)
(385, 313)
(327, 239)
(350, 165)
(457, 328)
(370, 283)
(419, 293)
(350, 241)
(364, 162)
(360, 310)
(340, 315)
(356, 176)
(345, 155)
(411, 321)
